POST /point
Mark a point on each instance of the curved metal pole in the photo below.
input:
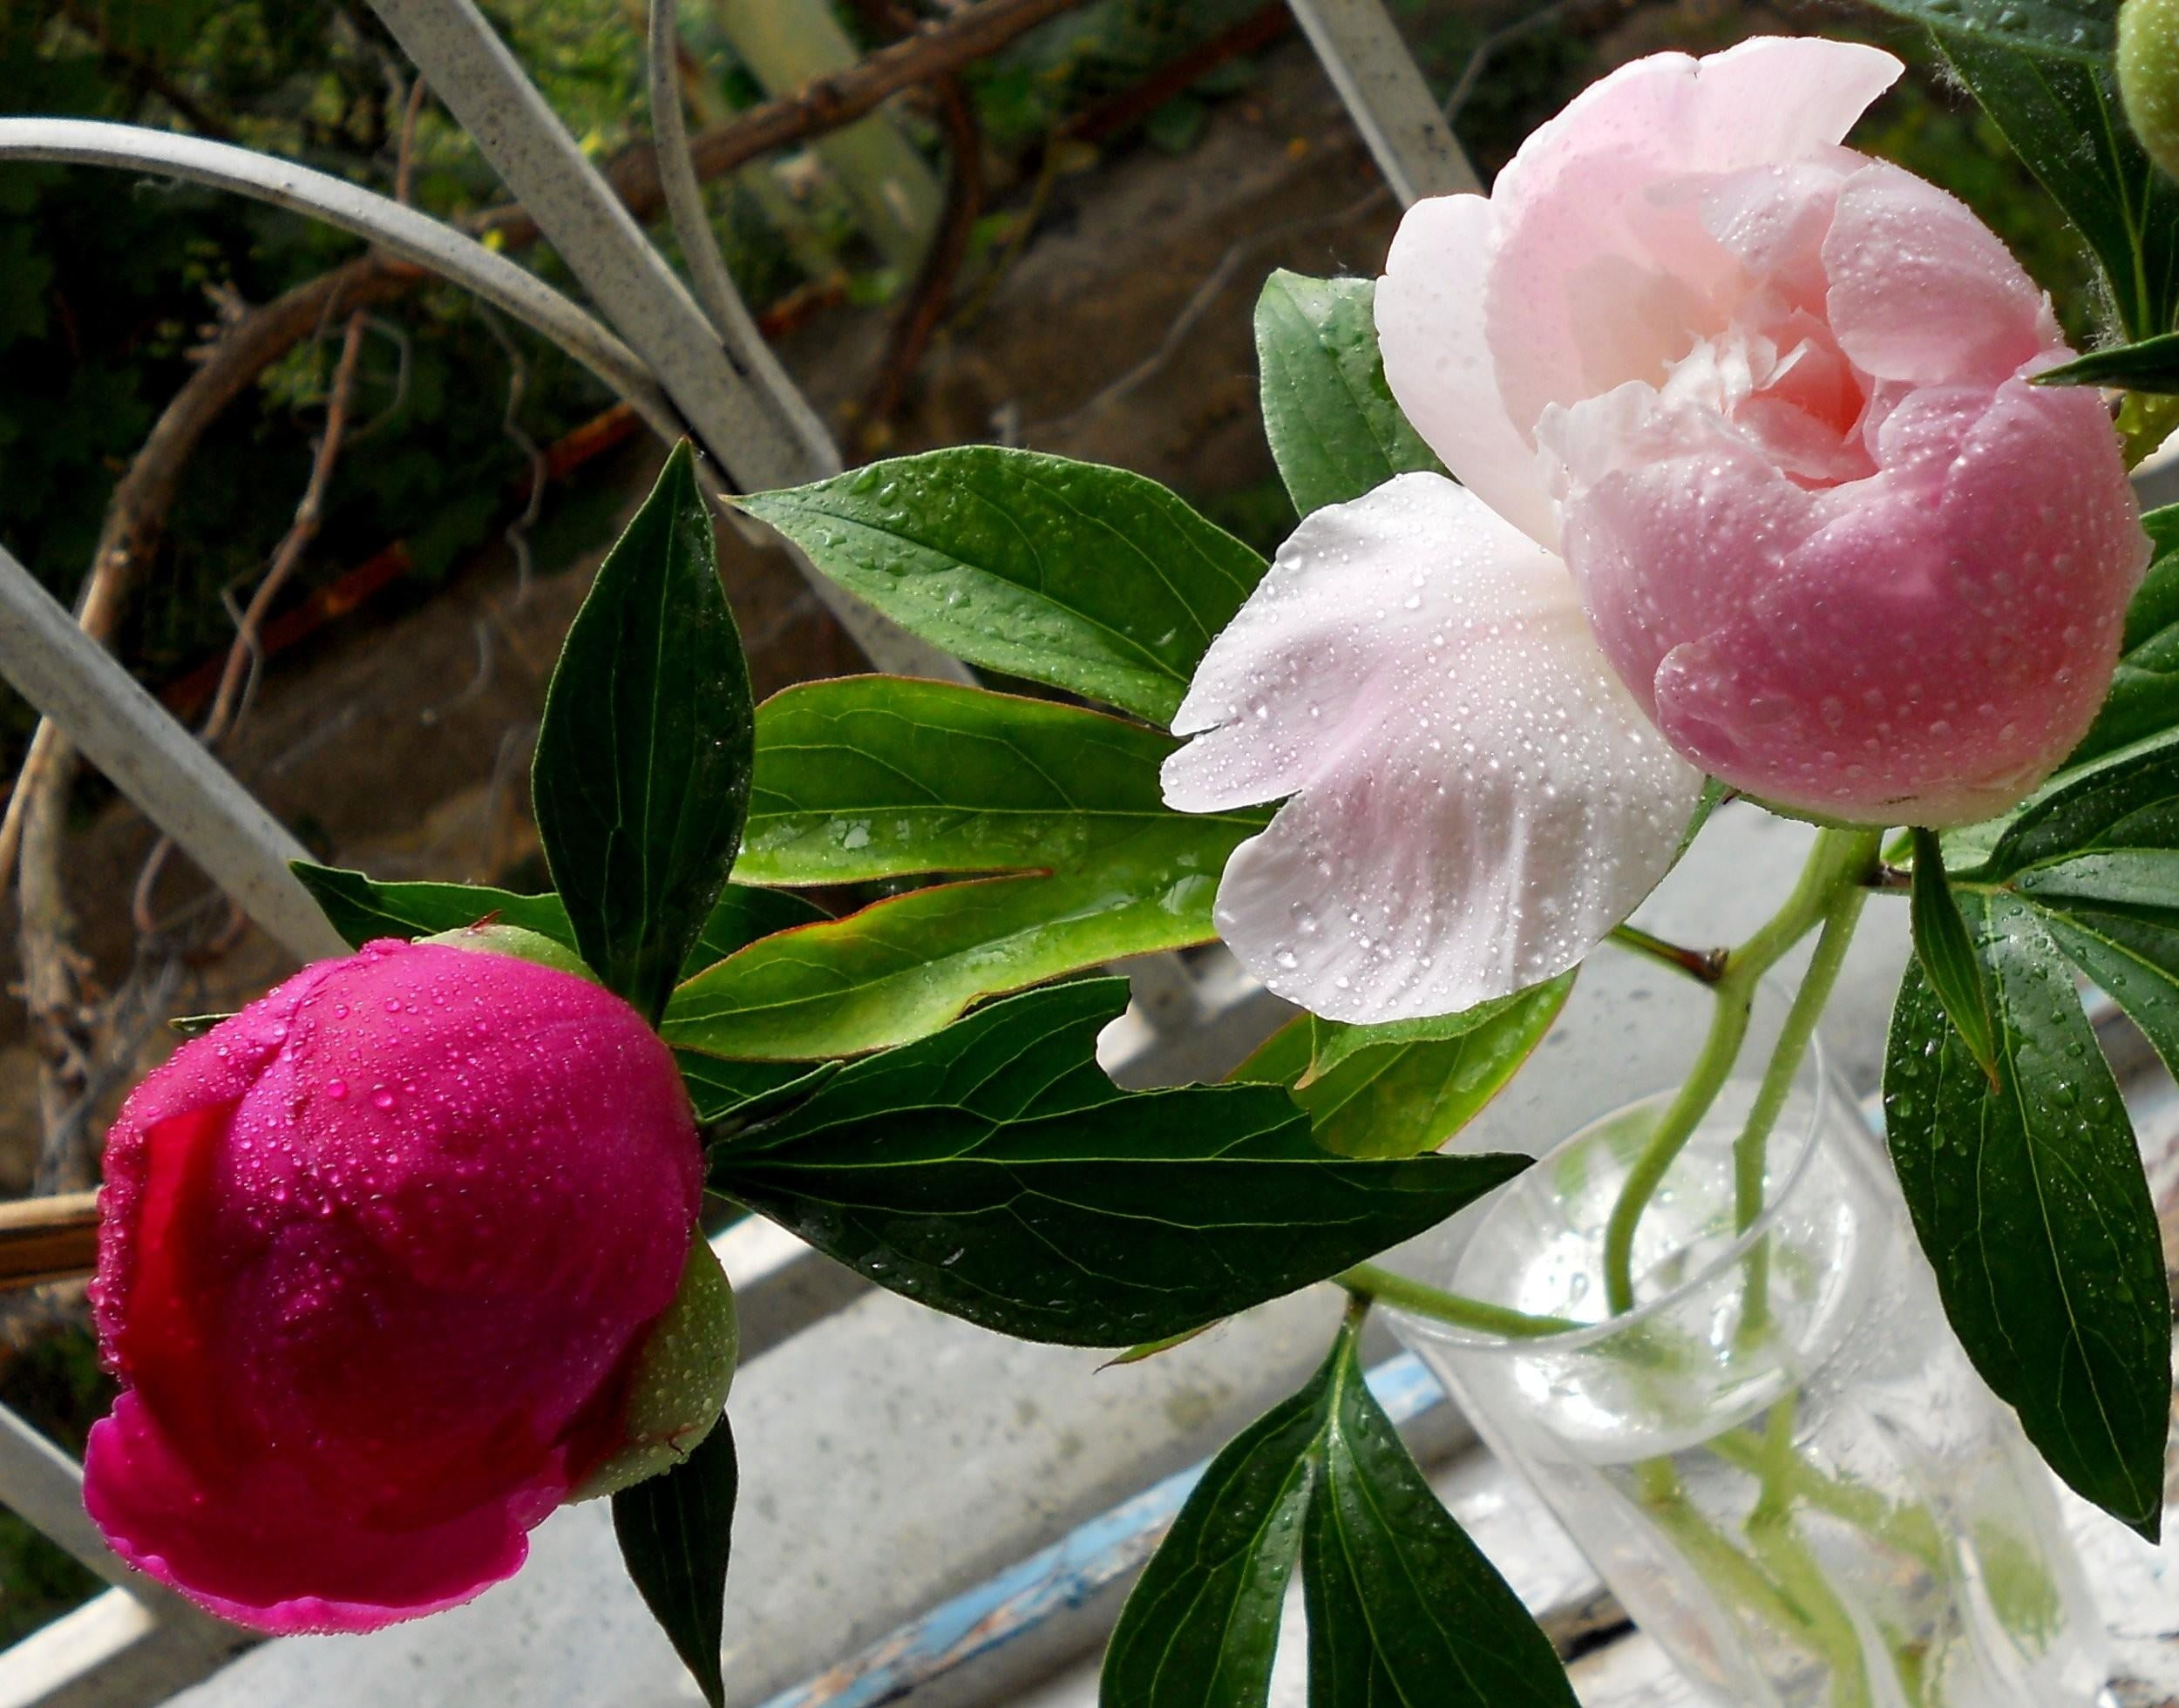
(394, 226)
(715, 289)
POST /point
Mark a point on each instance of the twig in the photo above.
(1200, 303)
(243, 655)
(933, 292)
(136, 515)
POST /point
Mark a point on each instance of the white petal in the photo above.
(1430, 328)
(1476, 800)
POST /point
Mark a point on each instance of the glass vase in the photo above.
(1780, 1460)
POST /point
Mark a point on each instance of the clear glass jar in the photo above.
(1780, 1460)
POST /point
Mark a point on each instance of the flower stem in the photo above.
(1367, 1281)
(1840, 858)
(1707, 964)
(1750, 1150)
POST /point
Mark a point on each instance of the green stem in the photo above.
(1367, 1281)
(1750, 1150)
(1706, 964)
(1910, 1530)
(1840, 857)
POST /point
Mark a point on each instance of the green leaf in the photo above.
(2030, 1202)
(743, 914)
(1082, 577)
(870, 777)
(1403, 1608)
(994, 1171)
(2061, 116)
(1947, 957)
(2151, 365)
(873, 778)
(361, 909)
(642, 767)
(675, 1531)
(722, 1091)
(2144, 696)
(2072, 30)
(1405, 1088)
(1201, 1625)
(1333, 428)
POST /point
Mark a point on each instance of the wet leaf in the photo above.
(2144, 697)
(2085, 31)
(1402, 1607)
(873, 778)
(2029, 1201)
(1079, 576)
(2152, 366)
(1947, 957)
(2058, 105)
(1334, 430)
(993, 1172)
(676, 1531)
(1405, 1088)
(641, 773)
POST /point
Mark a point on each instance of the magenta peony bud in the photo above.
(379, 1260)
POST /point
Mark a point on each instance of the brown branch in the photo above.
(821, 106)
(245, 648)
(48, 1239)
(136, 515)
(933, 292)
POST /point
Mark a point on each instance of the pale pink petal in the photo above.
(1599, 278)
(1922, 291)
(1430, 325)
(1919, 647)
(1476, 800)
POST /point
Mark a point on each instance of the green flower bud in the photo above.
(681, 1378)
(2149, 76)
(518, 942)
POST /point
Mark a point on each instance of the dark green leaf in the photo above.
(1403, 1089)
(1403, 1608)
(2062, 116)
(1333, 428)
(2144, 697)
(360, 909)
(1947, 957)
(2127, 799)
(995, 1172)
(2076, 29)
(1087, 578)
(2030, 1202)
(872, 778)
(2151, 365)
(642, 768)
(1201, 1626)
(742, 1090)
(675, 1532)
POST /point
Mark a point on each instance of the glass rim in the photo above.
(1816, 1062)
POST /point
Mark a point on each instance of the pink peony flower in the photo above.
(378, 1257)
(1752, 483)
